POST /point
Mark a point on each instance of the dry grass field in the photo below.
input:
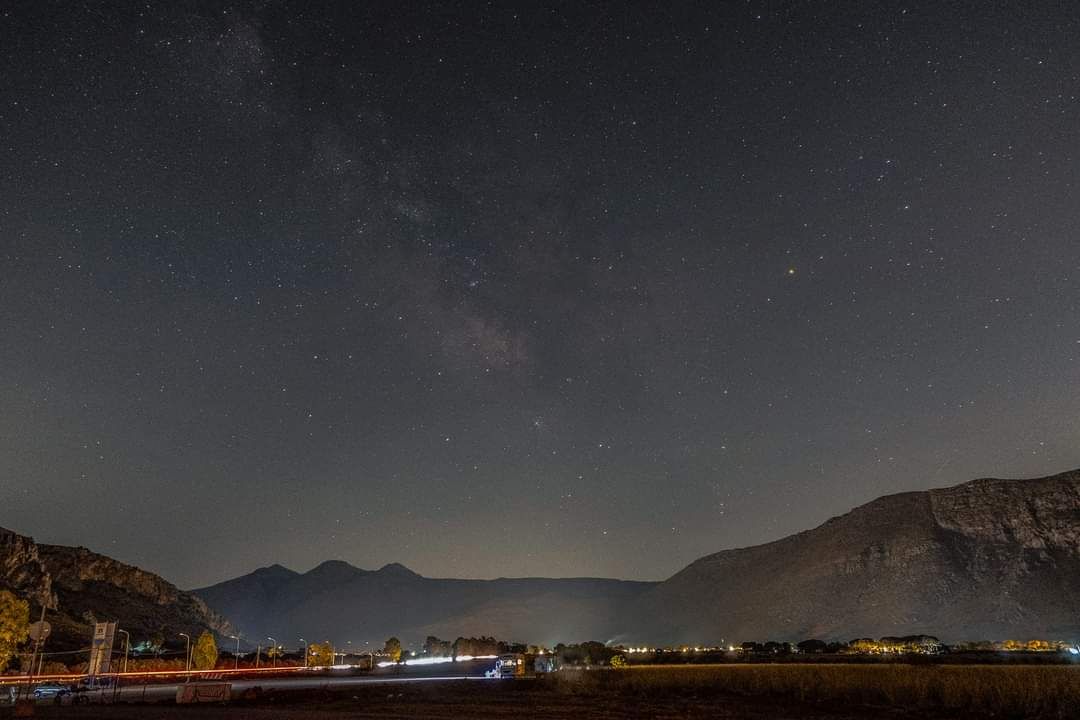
(969, 690)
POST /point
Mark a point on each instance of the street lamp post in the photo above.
(236, 655)
(187, 663)
(273, 651)
(258, 655)
(305, 651)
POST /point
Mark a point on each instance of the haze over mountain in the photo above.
(988, 559)
(78, 587)
(345, 604)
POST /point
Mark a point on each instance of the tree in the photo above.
(587, 653)
(812, 646)
(434, 647)
(51, 667)
(320, 654)
(14, 625)
(157, 642)
(393, 649)
(204, 654)
(618, 661)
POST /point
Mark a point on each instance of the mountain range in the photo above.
(345, 604)
(988, 559)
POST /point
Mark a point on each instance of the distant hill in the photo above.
(989, 559)
(342, 603)
(79, 586)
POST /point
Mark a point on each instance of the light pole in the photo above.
(273, 651)
(236, 655)
(187, 663)
(258, 654)
(305, 651)
(127, 646)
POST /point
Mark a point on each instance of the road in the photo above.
(152, 692)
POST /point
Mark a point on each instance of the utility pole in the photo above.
(258, 652)
(34, 656)
(127, 646)
(273, 651)
(187, 665)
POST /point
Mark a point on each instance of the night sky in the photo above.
(484, 289)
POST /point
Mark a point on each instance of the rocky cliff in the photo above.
(21, 569)
(78, 586)
(989, 559)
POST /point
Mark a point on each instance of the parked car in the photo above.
(51, 690)
(99, 682)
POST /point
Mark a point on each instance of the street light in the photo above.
(305, 651)
(273, 650)
(236, 655)
(187, 665)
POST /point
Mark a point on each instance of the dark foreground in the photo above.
(459, 699)
(735, 692)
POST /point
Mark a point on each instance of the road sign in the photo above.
(101, 648)
(40, 630)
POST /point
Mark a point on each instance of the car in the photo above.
(51, 690)
(98, 682)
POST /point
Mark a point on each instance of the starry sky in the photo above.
(512, 289)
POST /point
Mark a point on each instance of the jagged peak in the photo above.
(335, 570)
(276, 570)
(333, 564)
(397, 569)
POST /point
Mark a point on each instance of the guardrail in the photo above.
(217, 673)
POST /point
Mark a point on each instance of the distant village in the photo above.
(905, 645)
